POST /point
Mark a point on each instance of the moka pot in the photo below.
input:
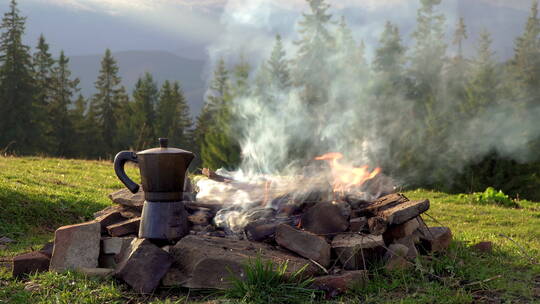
(163, 175)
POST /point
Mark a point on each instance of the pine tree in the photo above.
(277, 67)
(145, 97)
(219, 148)
(316, 44)
(428, 53)
(457, 71)
(390, 55)
(105, 102)
(484, 83)
(173, 116)
(19, 130)
(526, 61)
(77, 117)
(43, 65)
(126, 136)
(62, 90)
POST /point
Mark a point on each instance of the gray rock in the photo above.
(327, 218)
(114, 245)
(76, 246)
(208, 262)
(28, 263)
(109, 219)
(356, 251)
(435, 239)
(304, 243)
(143, 265)
(126, 198)
(396, 257)
(126, 227)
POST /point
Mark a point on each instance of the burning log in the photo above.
(214, 176)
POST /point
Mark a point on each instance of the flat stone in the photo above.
(114, 245)
(76, 246)
(334, 285)
(359, 224)
(410, 242)
(126, 227)
(326, 218)
(29, 263)
(403, 212)
(208, 262)
(144, 265)
(126, 212)
(109, 219)
(356, 251)
(436, 239)
(97, 272)
(304, 243)
(262, 230)
(400, 231)
(396, 257)
(126, 198)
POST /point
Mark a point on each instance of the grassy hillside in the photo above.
(39, 194)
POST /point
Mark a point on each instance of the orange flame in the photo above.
(347, 177)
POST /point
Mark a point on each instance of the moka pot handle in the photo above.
(119, 161)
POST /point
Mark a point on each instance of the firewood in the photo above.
(214, 176)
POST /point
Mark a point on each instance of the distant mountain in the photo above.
(132, 64)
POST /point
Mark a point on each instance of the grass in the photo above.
(37, 195)
(265, 282)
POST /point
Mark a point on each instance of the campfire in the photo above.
(338, 223)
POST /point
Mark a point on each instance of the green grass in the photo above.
(265, 282)
(37, 195)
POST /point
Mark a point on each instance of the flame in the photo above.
(347, 177)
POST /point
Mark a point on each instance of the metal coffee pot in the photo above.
(163, 176)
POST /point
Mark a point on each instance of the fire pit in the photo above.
(338, 224)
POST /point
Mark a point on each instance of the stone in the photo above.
(114, 245)
(377, 225)
(109, 219)
(126, 227)
(124, 197)
(47, 249)
(304, 243)
(400, 231)
(143, 265)
(326, 218)
(356, 251)
(208, 262)
(483, 247)
(262, 230)
(107, 261)
(334, 285)
(396, 257)
(403, 212)
(31, 262)
(409, 241)
(435, 239)
(97, 272)
(358, 224)
(124, 211)
(76, 246)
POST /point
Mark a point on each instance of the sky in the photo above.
(190, 26)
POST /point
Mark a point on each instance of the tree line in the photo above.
(42, 111)
(420, 90)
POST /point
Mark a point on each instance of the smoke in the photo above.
(274, 124)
